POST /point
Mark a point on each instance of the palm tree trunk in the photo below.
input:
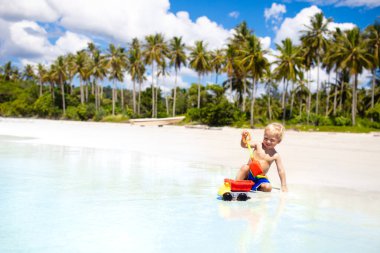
(113, 98)
(96, 90)
(244, 96)
(199, 91)
(63, 95)
(284, 102)
(292, 101)
(309, 98)
(134, 96)
(300, 99)
(335, 92)
(86, 98)
(327, 96)
(230, 82)
(335, 95)
(122, 97)
(175, 92)
(52, 90)
(317, 95)
(81, 91)
(327, 102)
(373, 90)
(156, 96)
(41, 87)
(139, 101)
(269, 108)
(93, 87)
(253, 102)
(153, 103)
(354, 100)
(341, 95)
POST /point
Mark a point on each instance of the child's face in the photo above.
(270, 140)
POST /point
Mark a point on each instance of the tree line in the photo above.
(49, 91)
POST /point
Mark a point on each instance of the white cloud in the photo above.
(292, 27)
(112, 21)
(234, 14)
(28, 38)
(275, 12)
(71, 42)
(28, 41)
(348, 3)
(40, 10)
(265, 42)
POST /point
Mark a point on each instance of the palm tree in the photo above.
(50, 78)
(98, 70)
(217, 62)
(241, 34)
(8, 71)
(41, 72)
(71, 70)
(372, 36)
(302, 91)
(315, 37)
(253, 60)
(334, 62)
(59, 71)
(229, 67)
(239, 39)
(82, 69)
(200, 62)
(162, 71)
(270, 86)
(307, 56)
(116, 63)
(287, 69)
(178, 58)
(355, 57)
(28, 72)
(155, 51)
(136, 69)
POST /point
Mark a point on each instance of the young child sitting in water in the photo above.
(265, 153)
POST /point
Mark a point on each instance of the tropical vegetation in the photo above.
(90, 84)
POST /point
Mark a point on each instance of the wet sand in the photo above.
(342, 161)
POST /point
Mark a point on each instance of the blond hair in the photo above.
(276, 129)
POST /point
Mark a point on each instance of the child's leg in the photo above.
(243, 172)
(265, 187)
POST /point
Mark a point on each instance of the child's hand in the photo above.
(245, 135)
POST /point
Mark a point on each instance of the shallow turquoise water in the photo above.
(70, 199)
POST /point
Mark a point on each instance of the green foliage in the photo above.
(219, 114)
(44, 107)
(119, 118)
(20, 107)
(72, 113)
(374, 113)
(100, 114)
(342, 121)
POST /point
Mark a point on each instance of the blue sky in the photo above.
(40, 30)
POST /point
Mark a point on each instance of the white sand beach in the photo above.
(341, 160)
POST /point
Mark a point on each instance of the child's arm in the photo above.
(246, 139)
(281, 173)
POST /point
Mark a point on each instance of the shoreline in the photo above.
(311, 158)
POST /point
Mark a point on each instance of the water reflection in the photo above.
(67, 199)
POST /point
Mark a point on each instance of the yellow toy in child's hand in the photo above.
(246, 138)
